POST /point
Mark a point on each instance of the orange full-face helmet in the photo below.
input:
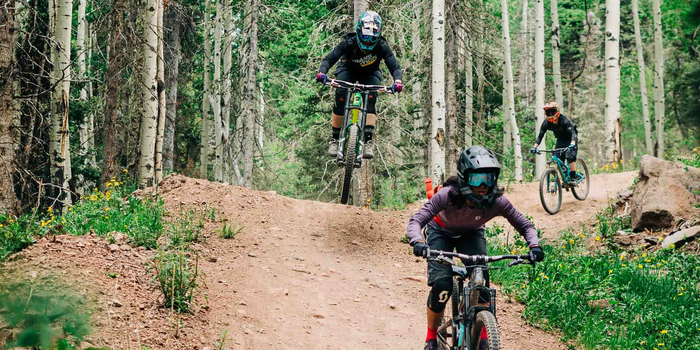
(551, 111)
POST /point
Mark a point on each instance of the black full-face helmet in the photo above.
(478, 165)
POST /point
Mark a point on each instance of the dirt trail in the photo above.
(310, 275)
(301, 274)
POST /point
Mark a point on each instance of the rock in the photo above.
(624, 194)
(679, 238)
(319, 316)
(142, 307)
(355, 243)
(242, 303)
(213, 259)
(113, 248)
(392, 306)
(116, 303)
(32, 274)
(663, 193)
(241, 312)
(252, 254)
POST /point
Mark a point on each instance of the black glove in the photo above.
(572, 147)
(420, 249)
(536, 253)
(533, 150)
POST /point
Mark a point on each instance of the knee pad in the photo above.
(339, 105)
(440, 294)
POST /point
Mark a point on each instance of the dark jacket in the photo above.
(564, 130)
(355, 59)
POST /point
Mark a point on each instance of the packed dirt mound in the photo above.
(114, 279)
(299, 275)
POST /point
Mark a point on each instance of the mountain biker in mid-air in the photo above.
(360, 54)
(565, 132)
(455, 218)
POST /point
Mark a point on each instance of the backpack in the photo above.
(430, 192)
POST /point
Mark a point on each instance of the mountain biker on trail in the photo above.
(455, 218)
(565, 132)
(360, 54)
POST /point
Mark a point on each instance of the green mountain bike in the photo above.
(556, 178)
(470, 319)
(351, 142)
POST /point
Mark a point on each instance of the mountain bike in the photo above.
(351, 142)
(470, 319)
(557, 177)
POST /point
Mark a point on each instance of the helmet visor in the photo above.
(478, 179)
(550, 112)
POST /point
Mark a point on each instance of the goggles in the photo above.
(478, 179)
(551, 112)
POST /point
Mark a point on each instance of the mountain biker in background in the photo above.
(455, 218)
(360, 54)
(565, 132)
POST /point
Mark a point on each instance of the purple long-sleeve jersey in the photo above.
(457, 221)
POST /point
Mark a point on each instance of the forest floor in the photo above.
(300, 274)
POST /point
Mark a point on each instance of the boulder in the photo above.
(680, 237)
(664, 193)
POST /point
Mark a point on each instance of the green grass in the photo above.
(650, 299)
(104, 213)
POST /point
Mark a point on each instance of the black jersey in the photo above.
(564, 130)
(356, 59)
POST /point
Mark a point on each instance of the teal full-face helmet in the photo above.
(368, 29)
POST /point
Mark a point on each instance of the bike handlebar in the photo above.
(551, 151)
(346, 84)
(476, 259)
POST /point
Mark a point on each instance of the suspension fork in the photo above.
(362, 116)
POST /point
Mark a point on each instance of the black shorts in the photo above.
(471, 242)
(568, 154)
(366, 78)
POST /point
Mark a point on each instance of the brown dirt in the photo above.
(300, 275)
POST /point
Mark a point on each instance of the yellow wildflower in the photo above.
(609, 271)
(664, 332)
(50, 210)
(680, 294)
(640, 266)
(571, 241)
(597, 238)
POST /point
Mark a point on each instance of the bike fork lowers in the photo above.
(355, 114)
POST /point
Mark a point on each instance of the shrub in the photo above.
(177, 279)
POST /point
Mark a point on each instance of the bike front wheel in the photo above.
(580, 191)
(485, 332)
(350, 155)
(550, 191)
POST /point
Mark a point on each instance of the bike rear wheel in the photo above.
(580, 191)
(350, 155)
(485, 332)
(550, 191)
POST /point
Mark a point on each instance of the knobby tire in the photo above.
(485, 320)
(350, 155)
(581, 191)
(544, 190)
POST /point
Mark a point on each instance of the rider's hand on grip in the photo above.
(536, 253)
(533, 150)
(321, 78)
(420, 249)
(397, 87)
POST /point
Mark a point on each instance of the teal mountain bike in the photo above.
(556, 178)
(351, 142)
(470, 319)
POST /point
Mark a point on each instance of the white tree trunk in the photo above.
(171, 44)
(525, 72)
(642, 80)
(469, 92)
(612, 80)
(60, 139)
(480, 80)
(360, 7)
(510, 111)
(540, 160)
(416, 86)
(206, 128)
(437, 134)
(556, 70)
(507, 137)
(261, 114)
(8, 201)
(249, 133)
(149, 119)
(160, 80)
(226, 103)
(85, 128)
(218, 130)
(450, 87)
(659, 79)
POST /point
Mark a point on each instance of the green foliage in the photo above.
(177, 278)
(45, 316)
(230, 231)
(608, 298)
(186, 228)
